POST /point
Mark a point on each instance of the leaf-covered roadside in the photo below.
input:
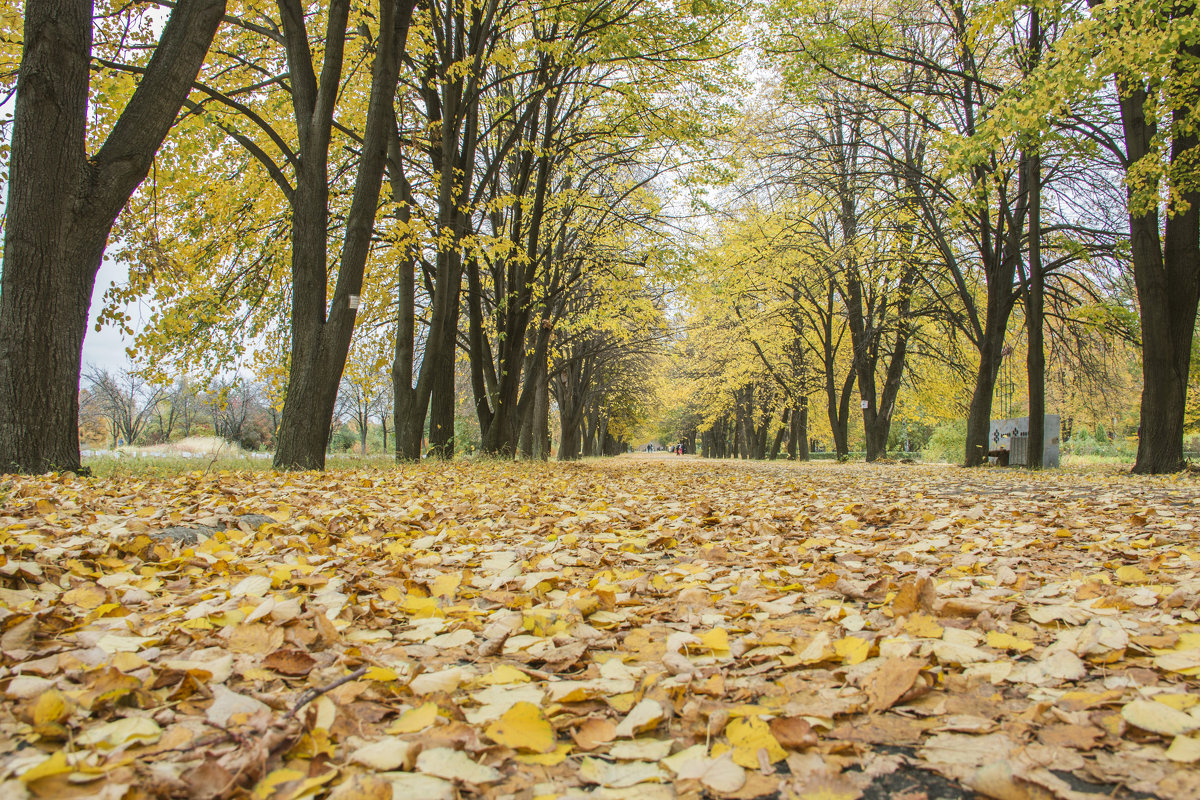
(629, 629)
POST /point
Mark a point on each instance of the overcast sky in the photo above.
(106, 348)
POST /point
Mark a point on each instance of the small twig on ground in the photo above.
(312, 694)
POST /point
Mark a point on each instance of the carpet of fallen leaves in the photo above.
(641, 627)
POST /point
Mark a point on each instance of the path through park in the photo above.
(640, 627)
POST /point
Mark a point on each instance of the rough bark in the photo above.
(1167, 278)
(61, 208)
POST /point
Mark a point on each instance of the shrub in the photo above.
(947, 443)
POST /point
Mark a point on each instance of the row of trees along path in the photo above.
(482, 169)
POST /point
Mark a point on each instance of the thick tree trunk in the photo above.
(1167, 289)
(1166, 273)
(535, 409)
(1167, 278)
(739, 430)
(591, 425)
(1001, 265)
(568, 443)
(61, 208)
(435, 386)
(501, 436)
(570, 409)
(1035, 360)
(761, 434)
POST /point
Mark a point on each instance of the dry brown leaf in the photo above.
(593, 732)
(891, 681)
(290, 662)
(793, 733)
(914, 595)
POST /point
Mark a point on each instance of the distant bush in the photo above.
(909, 438)
(1084, 443)
(343, 439)
(947, 443)
(251, 440)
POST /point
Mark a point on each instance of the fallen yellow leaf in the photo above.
(523, 727)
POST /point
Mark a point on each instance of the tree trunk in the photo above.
(881, 425)
(800, 430)
(739, 426)
(1168, 286)
(441, 410)
(784, 429)
(408, 413)
(61, 208)
(864, 342)
(568, 443)
(590, 425)
(541, 418)
(1035, 361)
(839, 412)
(1001, 266)
(1166, 273)
(570, 409)
(321, 341)
(979, 419)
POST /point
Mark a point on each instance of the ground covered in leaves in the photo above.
(640, 627)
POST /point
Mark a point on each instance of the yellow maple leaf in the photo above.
(381, 674)
(502, 675)
(554, 757)
(749, 735)
(716, 640)
(1006, 641)
(446, 585)
(87, 596)
(923, 626)
(56, 764)
(415, 719)
(523, 727)
(51, 707)
(852, 649)
(1130, 574)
